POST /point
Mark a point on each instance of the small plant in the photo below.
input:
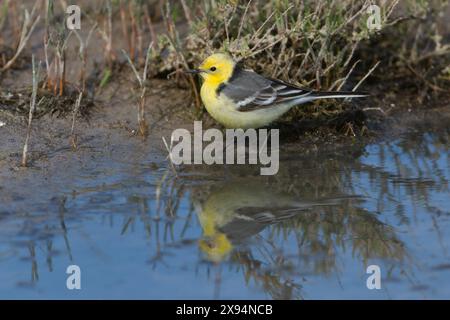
(134, 15)
(82, 81)
(180, 61)
(76, 108)
(35, 76)
(143, 126)
(30, 21)
(56, 39)
(82, 52)
(105, 30)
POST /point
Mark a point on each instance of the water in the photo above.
(142, 231)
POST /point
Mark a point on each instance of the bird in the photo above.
(240, 98)
(234, 211)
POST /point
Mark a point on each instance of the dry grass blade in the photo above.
(107, 35)
(143, 126)
(28, 27)
(73, 136)
(83, 55)
(344, 80)
(136, 73)
(187, 11)
(366, 76)
(242, 20)
(169, 151)
(32, 109)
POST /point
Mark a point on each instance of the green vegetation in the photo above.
(322, 44)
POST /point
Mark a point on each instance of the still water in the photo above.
(140, 230)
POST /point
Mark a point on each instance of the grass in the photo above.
(30, 21)
(323, 44)
(56, 40)
(35, 77)
(76, 108)
(319, 44)
(142, 122)
(83, 45)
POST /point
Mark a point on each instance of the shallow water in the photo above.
(141, 231)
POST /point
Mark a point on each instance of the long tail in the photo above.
(337, 94)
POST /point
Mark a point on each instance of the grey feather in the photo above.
(251, 91)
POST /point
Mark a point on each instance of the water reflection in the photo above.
(223, 232)
(237, 210)
(253, 218)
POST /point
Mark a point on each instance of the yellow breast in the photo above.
(224, 110)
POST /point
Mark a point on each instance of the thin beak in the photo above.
(194, 71)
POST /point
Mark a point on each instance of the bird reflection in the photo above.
(254, 223)
(235, 211)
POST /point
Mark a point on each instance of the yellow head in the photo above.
(216, 247)
(216, 69)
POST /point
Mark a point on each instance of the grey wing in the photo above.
(251, 220)
(251, 91)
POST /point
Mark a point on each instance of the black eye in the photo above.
(212, 68)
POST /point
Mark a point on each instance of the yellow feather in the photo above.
(223, 109)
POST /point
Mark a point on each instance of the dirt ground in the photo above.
(109, 126)
(110, 130)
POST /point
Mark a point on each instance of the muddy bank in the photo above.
(109, 132)
(111, 120)
(116, 208)
(108, 115)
